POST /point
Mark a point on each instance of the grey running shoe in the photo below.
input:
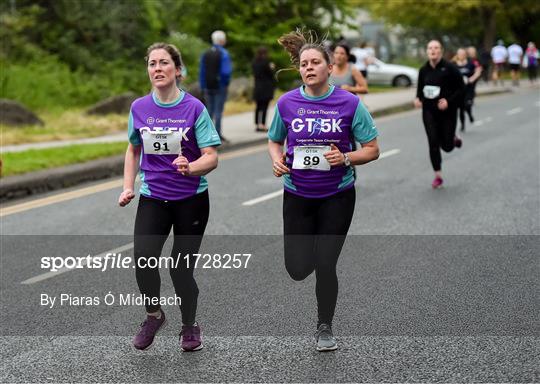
(325, 339)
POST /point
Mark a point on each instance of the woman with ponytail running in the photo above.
(318, 121)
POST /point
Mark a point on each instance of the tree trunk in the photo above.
(490, 27)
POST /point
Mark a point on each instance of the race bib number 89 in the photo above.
(162, 142)
(311, 158)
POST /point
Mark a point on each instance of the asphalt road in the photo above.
(435, 286)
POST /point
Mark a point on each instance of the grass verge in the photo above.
(62, 125)
(14, 163)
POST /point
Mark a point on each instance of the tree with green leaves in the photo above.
(477, 21)
(101, 44)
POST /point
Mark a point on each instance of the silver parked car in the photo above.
(391, 74)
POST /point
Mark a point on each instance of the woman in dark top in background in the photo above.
(264, 86)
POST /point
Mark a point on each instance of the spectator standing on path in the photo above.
(263, 92)
(363, 59)
(499, 54)
(214, 77)
(171, 162)
(532, 56)
(439, 93)
(371, 53)
(515, 54)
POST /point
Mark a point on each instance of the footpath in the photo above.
(238, 129)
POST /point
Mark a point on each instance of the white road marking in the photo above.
(278, 193)
(50, 274)
(244, 151)
(388, 153)
(17, 208)
(514, 111)
(263, 198)
(478, 123)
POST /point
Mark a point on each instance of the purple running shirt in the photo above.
(309, 122)
(163, 131)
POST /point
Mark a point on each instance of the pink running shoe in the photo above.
(190, 338)
(437, 182)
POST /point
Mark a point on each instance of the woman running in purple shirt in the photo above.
(172, 146)
(319, 123)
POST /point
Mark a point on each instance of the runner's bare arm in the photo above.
(361, 86)
(131, 166)
(278, 158)
(368, 152)
(202, 166)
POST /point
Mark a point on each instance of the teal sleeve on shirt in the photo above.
(278, 131)
(133, 135)
(363, 126)
(205, 132)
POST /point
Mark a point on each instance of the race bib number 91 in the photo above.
(311, 158)
(162, 142)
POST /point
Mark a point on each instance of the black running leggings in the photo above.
(188, 218)
(260, 111)
(315, 230)
(532, 71)
(441, 130)
(467, 104)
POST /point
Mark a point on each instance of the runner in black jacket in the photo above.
(440, 90)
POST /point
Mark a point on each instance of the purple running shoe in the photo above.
(191, 338)
(149, 328)
(457, 142)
